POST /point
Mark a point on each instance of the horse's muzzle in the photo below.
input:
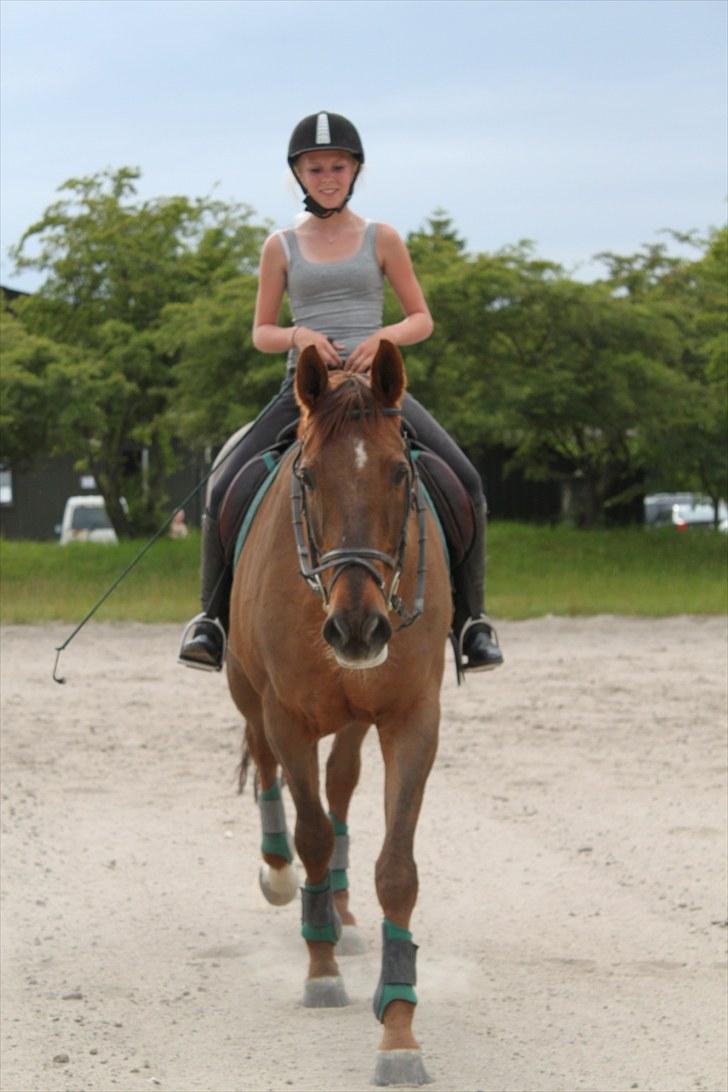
(359, 640)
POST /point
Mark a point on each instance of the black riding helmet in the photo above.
(319, 132)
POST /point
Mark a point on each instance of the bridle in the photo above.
(312, 563)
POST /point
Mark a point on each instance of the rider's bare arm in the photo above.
(397, 265)
(417, 324)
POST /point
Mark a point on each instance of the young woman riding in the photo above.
(333, 268)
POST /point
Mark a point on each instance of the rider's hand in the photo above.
(360, 359)
(327, 350)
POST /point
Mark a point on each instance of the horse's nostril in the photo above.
(336, 631)
(357, 638)
(376, 630)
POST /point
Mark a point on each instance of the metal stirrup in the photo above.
(482, 619)
(202, 617)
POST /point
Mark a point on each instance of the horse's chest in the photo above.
(329, 709)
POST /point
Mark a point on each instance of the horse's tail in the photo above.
(245, 759)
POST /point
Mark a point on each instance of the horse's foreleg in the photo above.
(342, 775)
(314, 839)
(408, 748)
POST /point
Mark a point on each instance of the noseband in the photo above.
(312, 564)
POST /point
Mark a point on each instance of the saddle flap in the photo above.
(451, 500)
(239, 495)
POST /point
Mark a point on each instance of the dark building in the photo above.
(32, 500)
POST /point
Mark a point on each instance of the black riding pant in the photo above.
(281, 412)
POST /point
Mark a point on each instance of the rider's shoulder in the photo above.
(387, 234)
(390, 244)
(275, 247)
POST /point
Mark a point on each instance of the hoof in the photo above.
(400, 1067)
(351, 941)
(325, 993)
(279, 885)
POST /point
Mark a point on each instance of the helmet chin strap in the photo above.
(318, 210)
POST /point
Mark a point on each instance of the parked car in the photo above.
(85, 519)
(684, 511)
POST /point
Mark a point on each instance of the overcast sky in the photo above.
(585, 125)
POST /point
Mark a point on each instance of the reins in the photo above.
(312, 564)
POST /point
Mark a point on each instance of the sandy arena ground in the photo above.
(571, 918)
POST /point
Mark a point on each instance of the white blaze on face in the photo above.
(360, 454)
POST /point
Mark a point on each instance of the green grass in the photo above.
(532, 571)
(654, 573)
(43, 582)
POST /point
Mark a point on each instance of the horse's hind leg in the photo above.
(314, 836)
(342, 775)
(277, 877)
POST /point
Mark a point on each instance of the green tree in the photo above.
(571, 378)
(461, 372)
(437, 245)
(688, 445)
(592, 380)
(220, 379)
(27, 410)
(113, 262)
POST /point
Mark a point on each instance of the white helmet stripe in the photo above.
(323, 135)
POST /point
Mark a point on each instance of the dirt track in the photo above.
(572, 849)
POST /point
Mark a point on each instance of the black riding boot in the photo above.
(205, 637)
(477, 638)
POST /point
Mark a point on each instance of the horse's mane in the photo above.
(348, 396)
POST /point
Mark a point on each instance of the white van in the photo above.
(683, 511)
(85, 520)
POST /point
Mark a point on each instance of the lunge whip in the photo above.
(132, 565)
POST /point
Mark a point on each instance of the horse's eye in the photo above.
(400, 473)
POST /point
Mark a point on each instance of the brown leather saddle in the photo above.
(450, 500)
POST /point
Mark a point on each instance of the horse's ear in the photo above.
(312, 378)
(388, 378)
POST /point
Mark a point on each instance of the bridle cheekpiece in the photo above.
(313, 564)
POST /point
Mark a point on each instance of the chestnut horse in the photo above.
(346, 511)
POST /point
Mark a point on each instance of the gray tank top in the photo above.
(342, 299)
